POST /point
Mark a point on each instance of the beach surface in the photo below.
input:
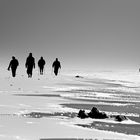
(46, 107)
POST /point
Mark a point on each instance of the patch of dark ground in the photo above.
(132, 129)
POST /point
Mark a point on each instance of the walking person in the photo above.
(30, 64)
(13, 65)
(56, 66)
(41, 64)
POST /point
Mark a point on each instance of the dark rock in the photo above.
(77, 76)
(82, 114)
(95, 113)
(94, 110)
(120, 118)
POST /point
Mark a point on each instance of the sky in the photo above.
(82, 34)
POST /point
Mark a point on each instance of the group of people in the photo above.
(30, 65)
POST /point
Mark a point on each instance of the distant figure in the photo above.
(56, 65)
(41, 64)
(30, 64)
(13, 65)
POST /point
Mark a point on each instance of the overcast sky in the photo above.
(83, 34)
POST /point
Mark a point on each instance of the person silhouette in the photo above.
(41, 64)
(30, 64)
(56, 66)
(13, 65)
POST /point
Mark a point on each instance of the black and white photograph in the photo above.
(69, 69)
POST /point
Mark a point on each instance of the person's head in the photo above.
(56, 59)
(13, 57)
(41, 57)
(30, 54)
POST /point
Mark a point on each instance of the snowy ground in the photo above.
(46, 106)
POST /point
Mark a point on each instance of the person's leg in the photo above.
(13, 72)
(28, 73)
(56, 71)
(31, 71)
(42, 70)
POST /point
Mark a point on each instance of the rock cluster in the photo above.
(96, 114)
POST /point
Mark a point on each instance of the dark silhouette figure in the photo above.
(13, 65)
(30, 64)
(41, 64)
(56, 65)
